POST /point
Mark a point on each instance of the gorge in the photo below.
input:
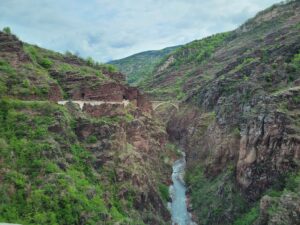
(208, 134)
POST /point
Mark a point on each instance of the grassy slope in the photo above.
(137, 67)
(48, 175)
(31, 78)
(194, 65)
(171, 73)
(36, 189)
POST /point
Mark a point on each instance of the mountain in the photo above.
(139, 66)
(194, 65)
(66, 164)
(78, 145)
(239, 118)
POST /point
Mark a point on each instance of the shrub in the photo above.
(31, 51)
(7, 30)
(164, 192)
(6, 67)
(236, 132)
(248, 218)
(296, 62)
(26, 83)
(69, 54)
(4, 109)
(111, 68)
(296, 99)
(92, 139)
(268, 77)
(293, 182)
(3, 88)
(45, 62)
(34, 190)
(90, 61)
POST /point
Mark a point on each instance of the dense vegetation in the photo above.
(217, 197)
(188, 56)
(44, 182)
(220, 199)
(196, 51)
(238, 123)
(32, 78)
(137, 67)
(50, 172)
(35, 188)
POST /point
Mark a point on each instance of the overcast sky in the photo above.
(112, 29)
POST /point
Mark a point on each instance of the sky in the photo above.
(113, 29)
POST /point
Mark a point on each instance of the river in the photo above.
(178, 206)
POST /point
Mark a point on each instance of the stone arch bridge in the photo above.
(156, 104)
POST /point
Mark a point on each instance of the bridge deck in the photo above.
(93, 103)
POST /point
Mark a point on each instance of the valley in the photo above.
(238, 118)
(202, 133)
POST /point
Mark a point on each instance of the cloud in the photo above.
(111, 29)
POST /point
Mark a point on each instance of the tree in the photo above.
(296, 61)
(7, 30)
(90, 61)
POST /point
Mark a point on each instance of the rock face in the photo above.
(268, 144)
(104, 164)
(105, 92)
(288, 210)
(239, 121)
(135, 146)
(90, 88)
(104, 109)
(11, 44)
(262, 151)
(117, 76)
(55, 93)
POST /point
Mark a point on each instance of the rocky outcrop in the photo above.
(102, 92)
(281, 210)
(268, 150)
(203, 140)
(260, 149)
(132, 149)
(117, 76)
(11, 48)
(55, 93)
(105, 109)
(91, 88)
(241, 117)
(101, 163)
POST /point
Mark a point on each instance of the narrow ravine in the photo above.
(178, 206)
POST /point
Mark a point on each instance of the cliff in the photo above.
(101, 164)
(239, 118)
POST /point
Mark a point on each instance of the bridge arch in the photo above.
(156, 104)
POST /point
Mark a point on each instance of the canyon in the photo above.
(238, 118)
(210, 134)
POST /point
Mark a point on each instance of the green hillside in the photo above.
(224, 111)
(139, 66)
(197, 64)
(61, 165)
